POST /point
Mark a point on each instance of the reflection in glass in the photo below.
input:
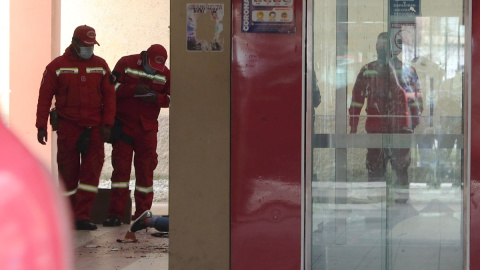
(387, 136)
(389, 91)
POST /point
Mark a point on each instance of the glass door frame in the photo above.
(307, 146)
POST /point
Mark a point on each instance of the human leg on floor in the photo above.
(148, 220)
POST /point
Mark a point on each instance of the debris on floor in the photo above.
(160, 234)
(129, 238)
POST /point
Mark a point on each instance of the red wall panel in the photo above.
(266, 147)
(475, 143)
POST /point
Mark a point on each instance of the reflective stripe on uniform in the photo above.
(143, 74)
(368, 73)
(70, 192)
(120, 185)
(117, 85)
(96, 70)
(144, 189)
(88, 188)
(356, 104)
(66, 70)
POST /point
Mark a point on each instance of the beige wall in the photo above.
(41, 30)
(123, 26)
(199, 150)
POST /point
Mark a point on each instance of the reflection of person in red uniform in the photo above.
(381, 82)
(35, 228)
(85, 103)
(143, 87)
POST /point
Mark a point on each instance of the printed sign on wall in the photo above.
(205, 27)
(268, 16)
(405, 7)
(403, 26)
(402, 34)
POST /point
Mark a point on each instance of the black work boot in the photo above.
(112, 221)
(85, 225)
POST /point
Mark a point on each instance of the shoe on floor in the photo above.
(85, 225)
(139, 223)
(112, 221)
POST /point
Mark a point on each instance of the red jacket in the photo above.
(131, 110)
(82, 89)
(387, 105)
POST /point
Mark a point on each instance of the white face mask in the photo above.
(85, 52)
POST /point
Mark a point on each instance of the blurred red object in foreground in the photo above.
(35, 229)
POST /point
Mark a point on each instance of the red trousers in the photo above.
(80, 173)
(145, 162)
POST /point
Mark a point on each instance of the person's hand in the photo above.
(42, 136)
(353, 130)
(152, 98)
(142, 89)
(105, 132)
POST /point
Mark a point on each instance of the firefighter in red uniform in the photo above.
(85, 107)
(393, 106)
(142, 88)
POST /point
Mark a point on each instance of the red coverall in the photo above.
(140, 123)
(387, 112)
(84, 97)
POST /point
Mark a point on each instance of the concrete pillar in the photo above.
(199, 201)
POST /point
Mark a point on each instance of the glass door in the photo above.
(384, 125)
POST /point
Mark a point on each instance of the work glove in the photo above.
(145, 93)
(142, 89)
(42, 136)
(105, 132)
(152, 98)
(54, 119)
(83, 141)
(116, 132)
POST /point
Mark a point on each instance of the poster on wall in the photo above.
(268, 16)
(205, 27)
